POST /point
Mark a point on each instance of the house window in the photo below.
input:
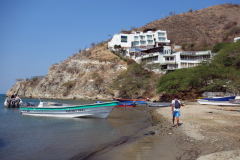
(123, 38)
(155, 58)
(161, 39)
(142, 37)
(143, 42)
(135, 43)
(150, 41)
(172, 66)
(161, 34)
(135, 38)
(167, 59)
(149, 36)
(183, 65)
(190, 64)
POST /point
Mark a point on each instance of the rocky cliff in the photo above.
(85, 75)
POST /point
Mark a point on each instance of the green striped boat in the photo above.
(52, 109)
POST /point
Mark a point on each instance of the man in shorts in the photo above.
(176, 104)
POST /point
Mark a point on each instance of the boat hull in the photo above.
(217, 103)
(219, 98)
(101, 110)
(235, 101)
(12, 103)
(125, 106)
(158, 104)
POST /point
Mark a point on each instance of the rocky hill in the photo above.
(85, 75)
(205, 27)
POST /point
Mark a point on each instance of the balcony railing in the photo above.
(198, 60)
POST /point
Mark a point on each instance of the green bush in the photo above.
(220, 74)
(217, 47)
(134, 81)
(35, 79)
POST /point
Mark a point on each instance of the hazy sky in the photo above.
(34, 34)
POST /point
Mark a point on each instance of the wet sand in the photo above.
(205, 133)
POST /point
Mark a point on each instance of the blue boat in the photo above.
(125, 103)
(219, 98)
(138, 101)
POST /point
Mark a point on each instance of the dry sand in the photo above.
(205, 133)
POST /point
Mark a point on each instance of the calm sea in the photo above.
(30, 137)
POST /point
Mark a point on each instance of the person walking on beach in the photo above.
(176, 104)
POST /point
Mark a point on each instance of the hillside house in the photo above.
(146, 39)
(154, 47)
(236, 39)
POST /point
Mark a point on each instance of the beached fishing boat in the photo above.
(126, 104)
(52, 109)
(235, 101)
(219, 98)
(218, 103)
(159, 104)
(138, 101)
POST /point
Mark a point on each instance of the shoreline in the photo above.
(144, 124)
(205, 132)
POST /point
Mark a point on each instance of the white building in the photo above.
(153, 46)
(178, 60)
(236, 39)
(149, 38)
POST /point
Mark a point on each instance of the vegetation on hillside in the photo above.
(136, 82)
(220, 74)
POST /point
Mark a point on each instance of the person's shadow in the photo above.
(179, 124)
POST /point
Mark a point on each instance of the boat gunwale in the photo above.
(95, 105)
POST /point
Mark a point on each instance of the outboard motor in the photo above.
(13, 102)
(17, 101)
(9, 102)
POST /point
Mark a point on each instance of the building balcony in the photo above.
(196, 60)
(166, 63)
(189, 53)
(170, 61)
(150, 55)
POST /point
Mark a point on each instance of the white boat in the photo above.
(12, 102)
(158, 104)
(52, 109)
(217, 103)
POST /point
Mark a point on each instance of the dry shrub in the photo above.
(69, 86)
(113, 65)
(234, 30)
(98, 80)
(84, 81)
(73, 70)
(229, 25)
(130, 61)
(101, 67)
(114, 60)
(62, 67)
(224, 37)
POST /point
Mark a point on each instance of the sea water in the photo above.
(33, 137)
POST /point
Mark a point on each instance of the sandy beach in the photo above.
(205, 133)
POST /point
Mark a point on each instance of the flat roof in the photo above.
(184, 54)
